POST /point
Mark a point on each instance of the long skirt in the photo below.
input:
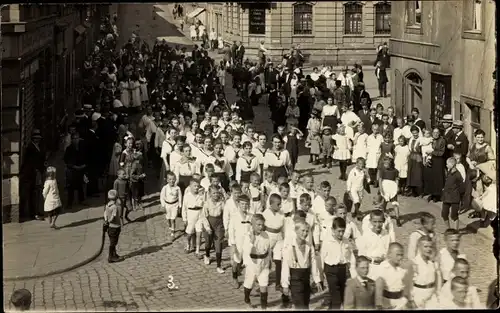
(433, 176)
(278, 171)
(415, 170)
(331, 121)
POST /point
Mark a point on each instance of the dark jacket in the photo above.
(453, 187)
(358, 296)
(461, 144)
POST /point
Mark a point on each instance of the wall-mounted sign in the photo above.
(257, 21)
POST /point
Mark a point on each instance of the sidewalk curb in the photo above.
(63, 270)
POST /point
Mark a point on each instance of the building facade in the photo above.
(43, 48)
(443, 59)
(333, 32)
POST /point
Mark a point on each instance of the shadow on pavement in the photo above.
(147, 217)
(410, 217)
(151, 204)
(81, 223)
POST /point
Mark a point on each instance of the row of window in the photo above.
(473, 11)
(303, 19)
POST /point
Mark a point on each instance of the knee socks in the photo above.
(263, 300)
(247, 295)
(277, 266)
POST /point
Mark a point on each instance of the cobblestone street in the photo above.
(156, 273)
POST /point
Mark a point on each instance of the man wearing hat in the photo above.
(461, 144)
(448, 134)
(82, 123)
(33, 168)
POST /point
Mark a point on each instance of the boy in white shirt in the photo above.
(171, 201)
(449, 254)
(461, 269)
(193, 202)
(355, 185)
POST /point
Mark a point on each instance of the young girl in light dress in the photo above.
(426, 145)
(402, 153)
(359, 148)
(342, 150)
(52, 202)
(313, 139)
(388, 182)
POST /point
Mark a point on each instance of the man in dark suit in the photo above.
(234, 47)
(93, 160)
(392, 119)
(240, 52)
(272, 76)
(418, 121)
(75, 160)
(372, 120)
(461, 144)
(196, 53)
(448, 134)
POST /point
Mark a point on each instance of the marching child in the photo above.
(113, 224)
(374, 242)
(209, 173)
(449, 254)
(356, 182)
(121, 186)
(360, 290)
(257, 199)
(268, 185)
(388, 225)
(342, 150)
(351, 231)
(425, 272)
(231, 207)
(327, 144)
(426, 228)
(52, 202)
(192, 205)
(337, 257)
(390, 283)
(275, 221)
(287, 203)
(307, 187)
(214, 226)
(461, 269)
(256, 257)
(314, 229)
(247, 163)
(171, 201)
(299, 264)
(401, 155)
(186, 168)
(294, 185)
(452, 191)
(388, 182)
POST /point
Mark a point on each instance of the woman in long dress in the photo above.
(415, 164)
(293, 86)
(143, 88)
(135, 90)
(434, 173)
(330, 115)
(124, 93)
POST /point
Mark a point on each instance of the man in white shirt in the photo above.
(213, 39)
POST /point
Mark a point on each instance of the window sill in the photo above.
(257, 35)
(414, 29)
(302, 35)
(382, 35)
(473, 35)
(353, 35)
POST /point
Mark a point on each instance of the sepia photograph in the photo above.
(248, 156)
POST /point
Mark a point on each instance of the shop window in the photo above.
(382, 18)
(353, 18)
(302, 19)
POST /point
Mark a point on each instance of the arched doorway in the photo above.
(412, 94)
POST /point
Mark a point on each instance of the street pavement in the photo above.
(157, 275)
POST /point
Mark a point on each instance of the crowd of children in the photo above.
(218, 175)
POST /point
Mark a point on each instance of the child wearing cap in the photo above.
(113, 224)
(327, 144)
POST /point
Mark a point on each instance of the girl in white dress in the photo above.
(143, 88)
(124, 93)
(373, 143)
(350, 119)
(402, 153)
(359, 150)
(342, 150)
(52, 202)
(135, 88)
(293, 86)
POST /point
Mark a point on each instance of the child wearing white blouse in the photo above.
(52, 202)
